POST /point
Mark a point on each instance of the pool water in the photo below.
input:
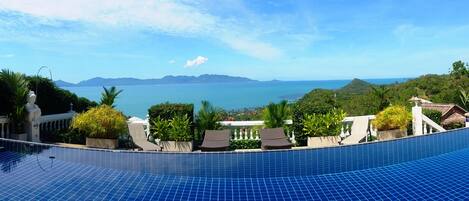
(438, 170)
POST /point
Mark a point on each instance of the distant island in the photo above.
(206, 78)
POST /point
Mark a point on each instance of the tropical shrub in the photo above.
(17, 89)
(276, 114)
(54, 100)
(245, 144)
(109, 95)
(180, 129)
(434, 115)
(393, 117)
(160, 129)
(207, 119)
(101, 122)
(329, 124)
(167, 111)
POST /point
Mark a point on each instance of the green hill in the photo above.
(356, 86)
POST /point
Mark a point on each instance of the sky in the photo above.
(259, 39)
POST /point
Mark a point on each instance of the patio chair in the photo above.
(274, 138)
(139, 137)
(216, 140)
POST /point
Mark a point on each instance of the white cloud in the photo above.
(196, 62)
(6, 55)
(179, 18)
(172, 61)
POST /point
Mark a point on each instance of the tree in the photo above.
(109, 95)
(207, 118)
(381, 93)
(276, 114)
(459, 69)
(17, 84)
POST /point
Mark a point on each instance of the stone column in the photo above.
(417, 120)
(33, 118)
(467, 120)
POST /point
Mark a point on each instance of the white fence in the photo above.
(55, 122)
(249, 130)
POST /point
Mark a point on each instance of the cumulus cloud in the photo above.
(196, 62)
(170, 17)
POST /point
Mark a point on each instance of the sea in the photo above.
(135, 100)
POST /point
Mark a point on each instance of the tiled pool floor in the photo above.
(443, 177)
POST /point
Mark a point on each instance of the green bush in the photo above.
(434, 115)
(101, 122)
(180, 129)
(276, 114)
(168, 111)
(207, 119)
(329, 124)
(393, 117)
(16, 86)
(160, 129)
(245, 144)
(318, 101)
(54, 100)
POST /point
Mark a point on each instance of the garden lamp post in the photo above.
(37, 75)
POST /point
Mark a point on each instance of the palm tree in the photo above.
(207, 118)
(109, 95)
(18, 87)
(464, 98)
(381, 93)
(276, 114)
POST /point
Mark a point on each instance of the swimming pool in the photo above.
(428, 167)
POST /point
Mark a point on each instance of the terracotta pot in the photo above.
(326, 141)
(102, 143)
(174, 146)
(391, 134)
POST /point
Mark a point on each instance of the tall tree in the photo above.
(109, 95)
(276, 114)
(460, 69)
(381, 93)
(207, 118)
(17, 85)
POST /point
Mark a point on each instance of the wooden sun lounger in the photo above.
(139, 138)
(216, 140)
(274, 138)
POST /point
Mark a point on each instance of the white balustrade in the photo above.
(429, 126)
(249, 130)
(55, 121)
(4, 127)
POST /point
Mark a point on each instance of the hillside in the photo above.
(356, 86)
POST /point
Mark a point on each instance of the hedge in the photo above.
(245, 144)
(167, 111)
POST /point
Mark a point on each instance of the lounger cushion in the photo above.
(274, 138)
(216, 140)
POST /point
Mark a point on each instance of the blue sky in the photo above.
(260, 39)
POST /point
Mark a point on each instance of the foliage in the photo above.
(459, 69)
(54, 100)
(381, 94)
(207, 118)
(318, 101)
(356, 86)
(160, 129)
(393, 117)
(245, 114)
(276, 114)
(17, 85)
(245, 144)
(434, 115)
(109, 95)
(464, 99)
(329, 124)
(101, 122)
(179, 129)
(168, 111)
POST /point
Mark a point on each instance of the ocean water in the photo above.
(135, 100)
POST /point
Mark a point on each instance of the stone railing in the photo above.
(50, 123)
(249, 130)
(4, 127)
(429, 126)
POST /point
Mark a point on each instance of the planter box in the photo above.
(102, 143)
(326, 141)
(391, 134)
(174, 146)
(21, 136)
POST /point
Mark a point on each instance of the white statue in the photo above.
(34, 112)
(33, 115)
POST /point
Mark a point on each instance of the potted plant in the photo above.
(323, 129)
(102, 126)
(17, 86)
(174, 134)
(392, 122)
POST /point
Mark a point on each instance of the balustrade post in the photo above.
(467, 120)
(417, 120)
